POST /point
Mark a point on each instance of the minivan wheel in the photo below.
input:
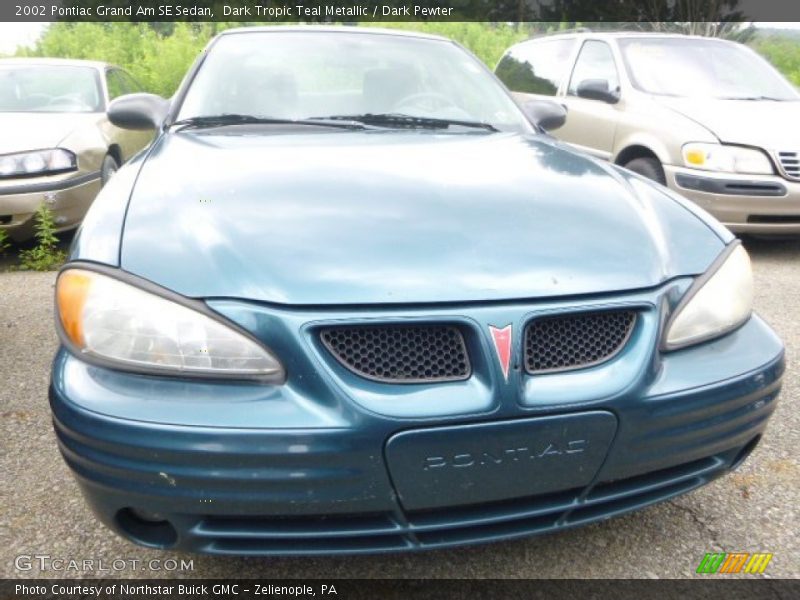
(648, 167)
(110, 166)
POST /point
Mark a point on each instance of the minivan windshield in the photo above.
(703, 68)
(49, 88)
(298, 75)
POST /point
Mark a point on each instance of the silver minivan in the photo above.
(709, 118)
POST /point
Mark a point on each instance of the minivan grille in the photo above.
(400, 353)
(575, 341)
(790, 164)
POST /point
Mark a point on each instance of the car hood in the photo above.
(38, 131)
(765, 124)
(399, 217)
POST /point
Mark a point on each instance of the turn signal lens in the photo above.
(695, 157)
(71, 292)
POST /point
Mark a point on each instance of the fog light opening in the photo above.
(745, 452)
(147, 528)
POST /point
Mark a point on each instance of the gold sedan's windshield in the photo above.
(45, 88)
(321, 74)
(702, 68)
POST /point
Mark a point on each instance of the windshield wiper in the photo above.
(403, 121)
(751, 98)
(237, 119)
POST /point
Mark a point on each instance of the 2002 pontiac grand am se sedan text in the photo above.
(351, 300)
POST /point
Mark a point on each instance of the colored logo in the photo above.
(734, 562)
(502, 345)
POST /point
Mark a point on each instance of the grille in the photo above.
(774, 219)
(576, 341)
(400, 353)
(790, 164)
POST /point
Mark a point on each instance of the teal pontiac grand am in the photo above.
(354, 299)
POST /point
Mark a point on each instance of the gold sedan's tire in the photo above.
(110, 166)
(647, 167)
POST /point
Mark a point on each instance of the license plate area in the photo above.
(485, 462)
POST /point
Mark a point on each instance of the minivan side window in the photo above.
(595, 61)
(536, 68)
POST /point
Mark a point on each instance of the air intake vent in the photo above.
(400, 353)
(790, 164)
(576, 341)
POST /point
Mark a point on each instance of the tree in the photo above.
(711, 18)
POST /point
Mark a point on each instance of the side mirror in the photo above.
(138, 111)
(597, 89)
(546, 114)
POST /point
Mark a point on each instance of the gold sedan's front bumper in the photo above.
(68, 198)
(757, 204)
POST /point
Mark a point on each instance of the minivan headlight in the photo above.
(121, 325)
(726, 159)
(718, 302)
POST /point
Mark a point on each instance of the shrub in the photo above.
(46, 255)
(158, 57)
(4, 243)
(783, 53)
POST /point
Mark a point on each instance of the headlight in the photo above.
(717, 302)
(726, 159)
(57, 160)
(124, 326)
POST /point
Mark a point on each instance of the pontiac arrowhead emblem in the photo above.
(502, 345)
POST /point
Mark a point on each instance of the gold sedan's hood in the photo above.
(39, 130)
(767, 124)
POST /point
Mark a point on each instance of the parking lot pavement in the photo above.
(755, 509)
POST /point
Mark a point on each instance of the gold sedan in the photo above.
(57, 146)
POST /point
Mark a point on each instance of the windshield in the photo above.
(302, 75)
(47, 88)
(701, 68)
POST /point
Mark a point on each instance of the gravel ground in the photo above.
(755, 509)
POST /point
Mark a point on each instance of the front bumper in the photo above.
(68, 197)
(305, 468)
(756, 204)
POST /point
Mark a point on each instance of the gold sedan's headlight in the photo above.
(40, 162)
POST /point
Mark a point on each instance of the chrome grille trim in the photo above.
(789, 164)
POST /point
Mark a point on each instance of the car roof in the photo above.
(54, 62)
(335, 29)
(619, 34)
